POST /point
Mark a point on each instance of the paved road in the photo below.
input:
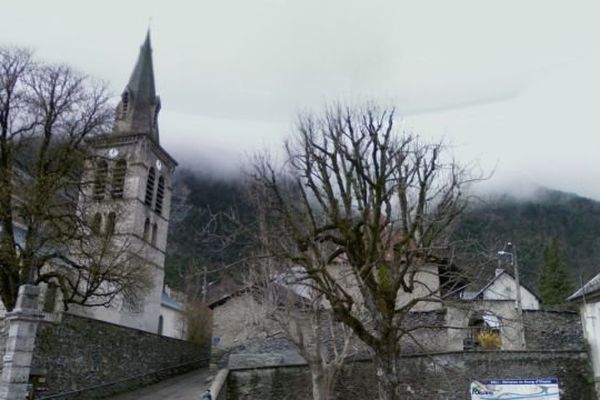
(184, 387)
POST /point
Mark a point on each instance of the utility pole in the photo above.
(512, 251)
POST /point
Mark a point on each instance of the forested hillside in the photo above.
(204, 230)
(196, 240)
(532, 223)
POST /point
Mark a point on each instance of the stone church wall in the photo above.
(443, 376)
(82, 358)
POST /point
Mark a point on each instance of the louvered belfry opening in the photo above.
(150, 187)
(160, 193)
(100, 179)
(118, 183)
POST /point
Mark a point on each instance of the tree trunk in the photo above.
(323, 381)
(386, 367)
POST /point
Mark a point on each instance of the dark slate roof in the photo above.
(141, 82)
(168, 302)
(590, 288)
(143, 103)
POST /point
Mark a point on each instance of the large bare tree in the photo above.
(47, 234)
(284, 306)
(365, 211)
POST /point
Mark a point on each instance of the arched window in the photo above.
(150, 187)
(124, 104)
(96, 223)
(160, 194)
(110, 223)
(100, 180)
(147, 229)
(160, 324)
(154, 234)
(118, 181)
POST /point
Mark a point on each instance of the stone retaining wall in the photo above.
(553, 330)
(433, 377)
(82, 358)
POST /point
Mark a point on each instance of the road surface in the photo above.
(183, 387)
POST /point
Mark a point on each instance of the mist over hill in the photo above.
(529, 222)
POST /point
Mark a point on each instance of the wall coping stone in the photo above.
(516, 353)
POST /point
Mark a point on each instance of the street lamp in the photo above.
(512, 252)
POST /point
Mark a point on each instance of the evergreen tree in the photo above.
(555, 284)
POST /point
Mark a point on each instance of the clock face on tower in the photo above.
(112, 153)
(158, 165)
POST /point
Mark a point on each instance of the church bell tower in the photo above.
(139, 172)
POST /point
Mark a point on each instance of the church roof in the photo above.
(141, 81)
(138, 109)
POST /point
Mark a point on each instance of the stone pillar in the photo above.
(22, 327)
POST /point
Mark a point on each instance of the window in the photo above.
(154, 234)
(150, 187)
(50, 297)
(133, 305)
(161, 322)
(110, 224)
(146, 229)
(96, 223)
(160, 193)
(100, 180)
(118, 182)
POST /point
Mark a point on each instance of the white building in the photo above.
(588, 298)
(503, 286)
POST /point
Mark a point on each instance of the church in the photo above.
(131, 194)
(126, 194)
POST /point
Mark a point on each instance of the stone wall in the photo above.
(83, 358)
(434, 377)
(553, 330)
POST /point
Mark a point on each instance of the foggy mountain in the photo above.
(530, 223)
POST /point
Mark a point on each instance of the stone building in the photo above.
(131, 193)
(458, 319)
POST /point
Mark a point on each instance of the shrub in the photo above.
(489, 340)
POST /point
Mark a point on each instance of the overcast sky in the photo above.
(513, 84)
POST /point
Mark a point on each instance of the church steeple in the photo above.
(137, 112)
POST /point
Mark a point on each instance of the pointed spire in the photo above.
(141, 81)
(138, 110)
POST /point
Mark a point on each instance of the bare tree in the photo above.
(47, 235)
(366, 212)
(287, 308)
